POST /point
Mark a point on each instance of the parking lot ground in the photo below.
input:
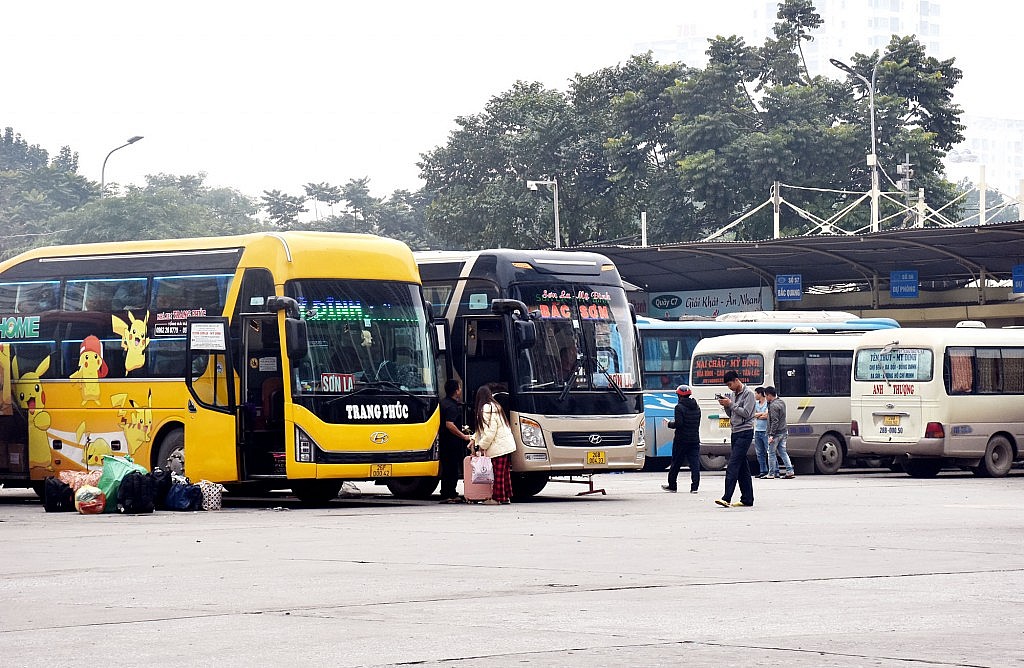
(861, 568)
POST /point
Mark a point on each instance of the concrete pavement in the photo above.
(847, 570)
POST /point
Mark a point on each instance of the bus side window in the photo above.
(30, 355)
(961, 370)
(1013, 370)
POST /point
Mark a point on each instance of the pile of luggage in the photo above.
(123, 486)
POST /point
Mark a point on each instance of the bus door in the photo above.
(211, 430)
(485, 359)
(263, 392)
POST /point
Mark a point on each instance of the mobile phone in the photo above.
(719, 396)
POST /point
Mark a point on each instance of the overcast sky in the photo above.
(263, 95)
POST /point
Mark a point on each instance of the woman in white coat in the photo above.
(494, 438)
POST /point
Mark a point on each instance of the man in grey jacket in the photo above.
(777, 433)
(740, 409)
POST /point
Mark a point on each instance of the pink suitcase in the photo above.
(473, 491)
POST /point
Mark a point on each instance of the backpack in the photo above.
(135, 493)
(161, 485)
(184, 497)
(58, 497)
(114, 470)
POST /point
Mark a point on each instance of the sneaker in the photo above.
(740, 504)
(761, 475)
(693, 491)
(722, 502)
(668, 489)
(789, 475)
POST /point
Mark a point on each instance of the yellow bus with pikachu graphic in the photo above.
(283, 360)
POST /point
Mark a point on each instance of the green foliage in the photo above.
(166, 207)
(694, 148)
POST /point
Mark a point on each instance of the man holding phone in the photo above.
(740, 408)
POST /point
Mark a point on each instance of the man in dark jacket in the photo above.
(686, 442)
(452, 441)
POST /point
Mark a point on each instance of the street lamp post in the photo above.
(103, 170)
(873, 156)
(532, 185)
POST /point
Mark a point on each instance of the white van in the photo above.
(940, 397)
(811, 373)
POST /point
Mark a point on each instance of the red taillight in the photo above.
(853, 428)
(934, 430)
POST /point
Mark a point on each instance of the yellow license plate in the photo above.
(380, 470)
(891, 420)
(597, 457)
(723, 423)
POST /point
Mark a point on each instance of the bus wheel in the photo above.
(527, 485)
(171, 455)
(828, 457)
(316, 492)
(922, 468)
(713, 462)
(998, 458)
(418, 488)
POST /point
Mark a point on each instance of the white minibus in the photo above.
(940, 397)
(811, 373)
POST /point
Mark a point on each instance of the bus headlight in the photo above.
(530, 433)
(641, 438)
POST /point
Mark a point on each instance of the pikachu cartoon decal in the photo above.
(134, 339)
(91, 368)
(29, 394)
(6, 390)
(136, 420)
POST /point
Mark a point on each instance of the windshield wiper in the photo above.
(611, 381)
(571, 380)
(885, 351)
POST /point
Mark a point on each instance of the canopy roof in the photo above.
(941, 256)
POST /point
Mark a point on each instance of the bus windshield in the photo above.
(602, 351)
(363, 333)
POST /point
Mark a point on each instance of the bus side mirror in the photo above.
(526, 333)
(296, 338)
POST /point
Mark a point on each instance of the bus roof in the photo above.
(737, 343)
(768, 325)
(937, 337)
(542, 261)
(323, 254)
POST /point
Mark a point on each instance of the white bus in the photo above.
(668, 352)
(811, 373)
(941, 397)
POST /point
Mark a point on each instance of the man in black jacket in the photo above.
(686, 442)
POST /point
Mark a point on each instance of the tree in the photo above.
(695, 148)
(283, 209)
(166, 207)
(34, 189)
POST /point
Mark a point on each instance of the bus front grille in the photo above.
(592, 439)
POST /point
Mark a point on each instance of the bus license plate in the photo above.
(891, 420)
(596, 457)
(723, 423)
(380, 470)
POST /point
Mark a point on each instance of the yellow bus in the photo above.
(281, 360)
